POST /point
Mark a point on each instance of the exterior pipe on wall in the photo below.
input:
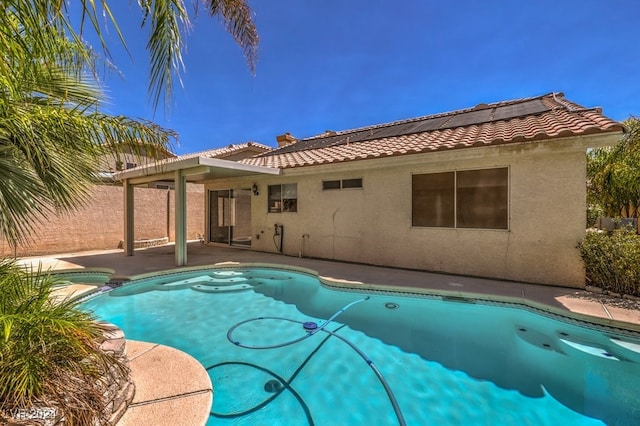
(304, 237)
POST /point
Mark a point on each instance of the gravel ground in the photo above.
(610, 299)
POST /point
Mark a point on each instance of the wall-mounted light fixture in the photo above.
(254, 189)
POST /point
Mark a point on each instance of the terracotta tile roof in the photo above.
(521, 120)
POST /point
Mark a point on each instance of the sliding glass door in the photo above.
(230, 217)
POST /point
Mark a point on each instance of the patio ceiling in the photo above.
(195, 169)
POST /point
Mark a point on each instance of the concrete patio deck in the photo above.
(162, 258)
(184, 398)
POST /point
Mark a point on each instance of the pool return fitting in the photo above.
(311, 328)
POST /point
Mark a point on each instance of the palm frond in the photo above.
(51, 132)
(49, 349)
(238, 21)
(169, 19)
(48, 159)
(20, 210)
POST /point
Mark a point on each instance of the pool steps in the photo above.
(590, 350)
(632, 347)
(221, 282)
(620, 350)
(212, 282)
(220, 289)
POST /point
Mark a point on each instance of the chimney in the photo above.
(285, 139)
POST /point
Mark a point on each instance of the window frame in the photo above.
(342, 183)
(332, 185)
(339, 184)
(278, 202)
(503, 219)
(444, 203)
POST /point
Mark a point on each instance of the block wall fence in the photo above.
(100, 224)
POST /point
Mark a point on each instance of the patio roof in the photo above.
(229, 151)
(180, 171)
(194, 169)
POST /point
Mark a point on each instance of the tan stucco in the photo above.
(373, 224)
(100, 224)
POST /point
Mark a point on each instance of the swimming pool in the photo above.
(377, 357)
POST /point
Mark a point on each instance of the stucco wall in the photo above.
(100, 225)
(373, 225)
(195, 212)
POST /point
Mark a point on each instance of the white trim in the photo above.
(190, 166)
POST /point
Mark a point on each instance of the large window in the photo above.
(283, 198)
(433, 199)
(463, 199)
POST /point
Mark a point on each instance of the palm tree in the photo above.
(51, 132)
(51, 127)
(614, 174)
(49, 351)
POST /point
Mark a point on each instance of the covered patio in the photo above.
(197, 170)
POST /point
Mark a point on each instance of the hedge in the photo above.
(612, 261)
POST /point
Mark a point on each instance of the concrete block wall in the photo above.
(195, 213)
(100, 224)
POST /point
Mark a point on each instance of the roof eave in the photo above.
(196, 165)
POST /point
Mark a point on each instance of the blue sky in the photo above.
(341, 64)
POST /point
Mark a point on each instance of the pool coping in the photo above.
(466, 297)
(171, 387)
(449, 295)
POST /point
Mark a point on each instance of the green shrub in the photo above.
(49, 351)
(594, 212)
(612, 262)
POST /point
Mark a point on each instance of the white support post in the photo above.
(181, 218)
(129, 237)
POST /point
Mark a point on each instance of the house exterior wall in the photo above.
(547, 204)
(100, 224)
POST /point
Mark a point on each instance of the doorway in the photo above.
(230, 217)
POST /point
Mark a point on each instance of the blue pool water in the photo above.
(384, 359)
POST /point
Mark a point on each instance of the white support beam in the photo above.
(194, 166)
(129, 227)
(197, 170)
(181, 218)
(148, 179)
